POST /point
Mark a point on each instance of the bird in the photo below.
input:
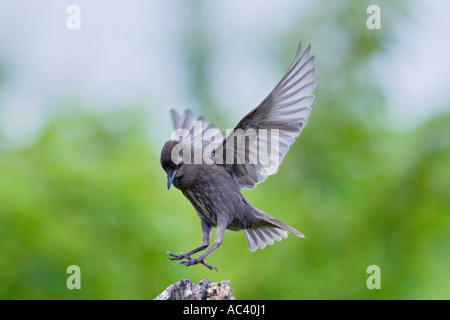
(211, 167)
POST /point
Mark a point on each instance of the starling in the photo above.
(210, 167)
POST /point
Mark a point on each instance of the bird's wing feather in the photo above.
(283, 113)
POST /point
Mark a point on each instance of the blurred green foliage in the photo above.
(90, 191)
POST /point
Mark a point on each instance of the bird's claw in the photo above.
(191, 262)
(174, 257)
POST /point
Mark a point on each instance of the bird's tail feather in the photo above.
(264, 235)
(260, 237)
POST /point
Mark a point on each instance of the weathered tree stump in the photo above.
(204, 290)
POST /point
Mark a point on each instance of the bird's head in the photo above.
(170, 161)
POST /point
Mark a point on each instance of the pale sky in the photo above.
(128, 53)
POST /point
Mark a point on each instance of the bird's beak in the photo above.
(171, 176)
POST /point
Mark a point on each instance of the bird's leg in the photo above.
(201, 259)
(217, 242)
(206, 230)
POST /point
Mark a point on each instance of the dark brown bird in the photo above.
(211, 168)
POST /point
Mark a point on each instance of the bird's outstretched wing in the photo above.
(275, 122)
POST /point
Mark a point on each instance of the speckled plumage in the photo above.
(214, 188)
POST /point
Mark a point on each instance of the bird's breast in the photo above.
(211, 190)
(203, 204)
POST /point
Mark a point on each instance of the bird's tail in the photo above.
(271, 229)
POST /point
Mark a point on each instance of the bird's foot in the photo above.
(191, 262)
(174, 257)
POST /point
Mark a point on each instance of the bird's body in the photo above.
(213, 192)
(210, 188)
(214, 186)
